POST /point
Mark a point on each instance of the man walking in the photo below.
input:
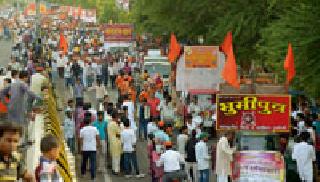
(171, 161)
(128, 140)
(191, 161)
(304, 154)
(202, 156)
(101, 125)
(18, 102)
(37, 80)
(89, 142)
(224, 158)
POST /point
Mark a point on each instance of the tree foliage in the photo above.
(299, 24)
(261, 30)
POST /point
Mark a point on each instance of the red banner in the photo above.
(118, 32)
(253, 112)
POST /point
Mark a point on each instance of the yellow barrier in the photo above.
(52, 126)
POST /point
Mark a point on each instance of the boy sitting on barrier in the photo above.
(47, 169)
(11, 163)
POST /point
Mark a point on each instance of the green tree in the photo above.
(210, 18)
(298, 24)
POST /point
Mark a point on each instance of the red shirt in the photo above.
(154, 103)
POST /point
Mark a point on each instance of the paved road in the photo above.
(5, 52)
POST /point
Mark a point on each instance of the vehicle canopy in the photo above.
(155, 63)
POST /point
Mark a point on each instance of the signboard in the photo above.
(201, 56)
(253, 112)
(118, 32)
(88, 15)
(263, 166)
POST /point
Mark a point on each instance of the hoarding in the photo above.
(253, 112)
(118, 32)
(88, 15)
(201, 56)
(262, 166)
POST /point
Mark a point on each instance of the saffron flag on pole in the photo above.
(229, 72)
(63, 44)
(289, 64)
(174, 50)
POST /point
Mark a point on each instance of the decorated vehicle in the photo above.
(258, 120)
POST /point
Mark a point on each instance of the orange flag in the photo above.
(63, 44)
(227, 43)
(229, 72)
(289, 64)
(174, 50)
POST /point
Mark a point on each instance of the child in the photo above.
(69, 130)
(47, 169)
(11, 164)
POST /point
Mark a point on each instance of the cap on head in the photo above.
(39, 68)
(203, 135)
(168, 144)
(161, 124)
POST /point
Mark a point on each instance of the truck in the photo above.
(155, 63)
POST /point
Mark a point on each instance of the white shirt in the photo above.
(89, 134)
(16, 66)
(190, 128)
(181, 142)
(197, 120)
(301, 126)
(128, 139)
(304, 154)
(194, 109)
(67, 71)
(2, 77)
(202, 155)
(37, 81)
(171, 160)
(69, 128)
(151, 127)
(60, 62)
(99, 69)
(130, 106)
(55, 55)
(223, 157)
(110, 70)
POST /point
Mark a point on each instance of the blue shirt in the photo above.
(101, 127)
(161, 135)
(317, 125)
(78, 91)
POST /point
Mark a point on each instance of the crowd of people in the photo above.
(130, 105)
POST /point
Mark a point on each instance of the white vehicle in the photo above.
(154, 63)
